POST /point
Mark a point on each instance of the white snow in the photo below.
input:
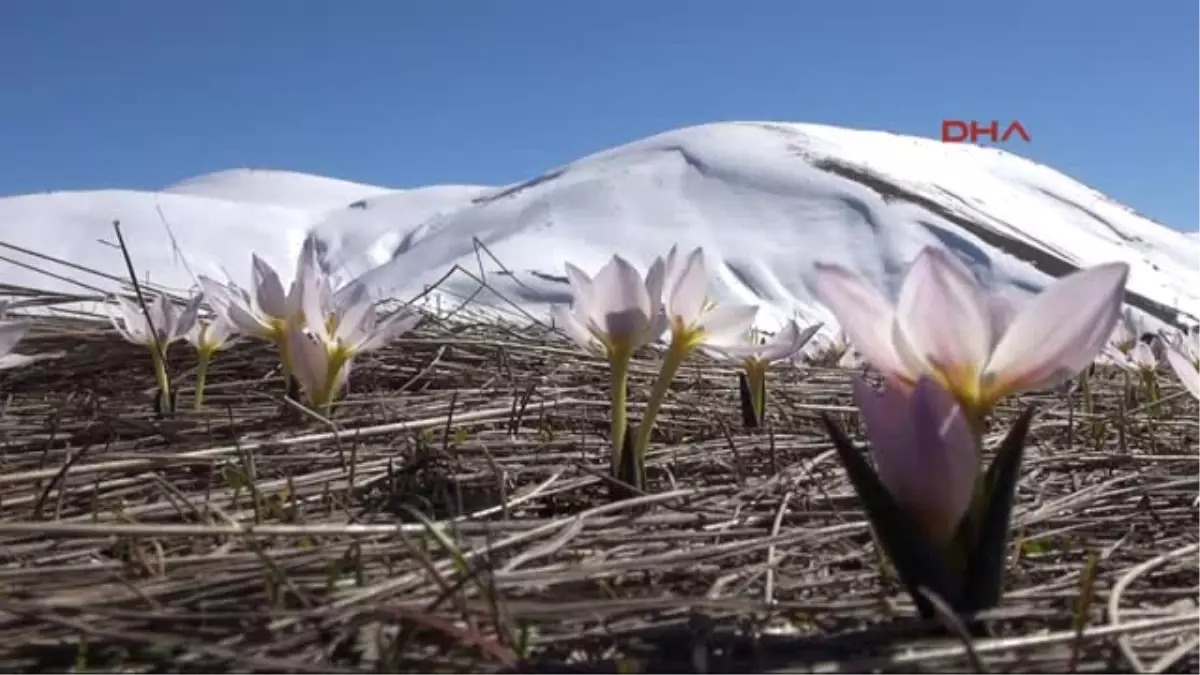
(759, 196)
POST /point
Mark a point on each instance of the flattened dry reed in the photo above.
(453, 516)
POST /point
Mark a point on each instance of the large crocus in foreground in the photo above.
(944, 527)
(613, 315)
(924, 451)
(946, 325)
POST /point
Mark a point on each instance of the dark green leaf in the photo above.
(749, 417)
(917, 561)
(986, 556)
(631, 472)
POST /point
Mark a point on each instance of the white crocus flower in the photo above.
(756, 356)
(613, 315)
(1183, 354)
(207, 337)
(155, 328)
(268, 313)
(342, 336)
(320, 379)
(947, 325)
(694, 320)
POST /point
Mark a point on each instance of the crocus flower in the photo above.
(1183, 366)
(320, 379)
(981, 348)
(267, 312)
(756, 356)
(344, 334)
(166, 324)
(694, 320)
(924, 450)
(692, 317)
(612, 316)
(207, 336)
(1126, 333)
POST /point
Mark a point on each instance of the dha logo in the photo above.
(958, 131)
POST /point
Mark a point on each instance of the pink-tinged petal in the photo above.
(581, 285)
(950, 457)
(1186, 371)
(1059, 332)
(924, 452)
(567, 320)
(1003, 309)
(622, 306)
(655, 278)
(785, 346)
(268, 289)
(188, 317)
(309, 362)
(309, 300)
(944, 316)
(688, 289)
(12, 332)
(391, 328)
(862, 312)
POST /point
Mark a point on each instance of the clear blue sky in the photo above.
(141, 93)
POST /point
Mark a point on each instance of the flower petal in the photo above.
(568, 320)
(862, 312)
(1186, 371)
(622, 305)
(309, 361)
(390, 328)
(1059, 332)
(944, 316)
(687, 290)
(728, 324)
(268, 289)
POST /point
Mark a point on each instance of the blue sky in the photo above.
(142, 93)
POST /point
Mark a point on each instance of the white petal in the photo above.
(944, 315)
(1059, 332)
(688, 289)
(865, 316)
(268, 289)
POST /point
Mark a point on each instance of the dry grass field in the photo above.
(454, 516)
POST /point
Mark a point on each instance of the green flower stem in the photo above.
(619, 358)
(324, 399)
(756, 378)
(675, 356)
(157, 354)
(203, 356)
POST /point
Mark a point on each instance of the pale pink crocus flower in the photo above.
(978, 346)
(924, 450)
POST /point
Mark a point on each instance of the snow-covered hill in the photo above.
(765, 199)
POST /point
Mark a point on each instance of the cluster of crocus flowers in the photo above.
(155, 325)
(949, 349)
(619, 311)
(266, 312)
(317, 330)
